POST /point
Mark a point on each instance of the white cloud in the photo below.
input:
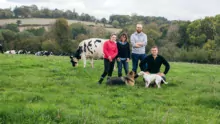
(171, 9)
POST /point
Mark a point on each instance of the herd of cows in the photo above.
(39, 53)
(88, 49)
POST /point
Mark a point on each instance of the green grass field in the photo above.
(44, 90)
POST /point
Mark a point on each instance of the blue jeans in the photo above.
(135, 59)
(125, 65)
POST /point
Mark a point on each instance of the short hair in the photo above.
(113, 34)
(154, 47)
(139, 25)
(125, 35)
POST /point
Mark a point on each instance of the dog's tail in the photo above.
(164, 81)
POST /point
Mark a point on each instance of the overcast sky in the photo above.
(170, 9)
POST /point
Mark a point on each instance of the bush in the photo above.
(51, 45)
(37, 32)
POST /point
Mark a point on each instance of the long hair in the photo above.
(124, 35)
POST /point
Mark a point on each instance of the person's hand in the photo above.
(141, 43)
(110, 58)
(118, 59)
(161, 74)
(128, 60)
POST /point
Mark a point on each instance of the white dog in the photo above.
(150, 78)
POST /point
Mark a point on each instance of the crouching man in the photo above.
(154, 62)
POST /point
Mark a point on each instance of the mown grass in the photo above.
(37, 90)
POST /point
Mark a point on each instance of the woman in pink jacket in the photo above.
(110, 51)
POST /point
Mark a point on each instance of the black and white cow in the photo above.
(47, 53)
(22, 52)
(39, 53)
(43, 53)
(10, 52)
(1, 48)
(90, 48)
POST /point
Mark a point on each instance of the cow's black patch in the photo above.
(97, 41)
(1, 48)
(84, 47)
(89, 45)
(78, 52)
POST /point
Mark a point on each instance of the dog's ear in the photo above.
(131, 73)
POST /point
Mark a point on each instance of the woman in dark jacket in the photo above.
(123, 56)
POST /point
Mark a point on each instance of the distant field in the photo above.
(41, 21)
(48, 90)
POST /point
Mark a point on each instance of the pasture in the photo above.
(37, 22)
(40, 89)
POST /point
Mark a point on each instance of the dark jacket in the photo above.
(123, 50)
(153, 65)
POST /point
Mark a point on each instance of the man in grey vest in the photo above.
(138, 42)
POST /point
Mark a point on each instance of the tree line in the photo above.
(60, 38)
(34, 12)
(190, 41)
(196, 41)
(118, 21)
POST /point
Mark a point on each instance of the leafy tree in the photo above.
(115, 23)
(12, 27)
(61, 32)
(51, 45)
(1, 37)
(78, 28)
(210, 45)
(6, 13)
(8, 35)
(104, 21)
(9, 39)
(37, 32)
(208, 28)
(184, 37)
(32, 44)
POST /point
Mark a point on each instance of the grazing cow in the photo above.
(22, 52)
(30, 52)
(39, 53)
(1, 48)
(10, 52)
(47, 53)
(42, 53)
(90, 48)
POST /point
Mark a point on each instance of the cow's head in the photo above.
(74, 61)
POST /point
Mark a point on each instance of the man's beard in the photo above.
(138, 31)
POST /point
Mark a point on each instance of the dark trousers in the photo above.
(108, 67)
(123, 63)
(135, 59)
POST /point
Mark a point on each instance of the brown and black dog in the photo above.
(125, 80)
